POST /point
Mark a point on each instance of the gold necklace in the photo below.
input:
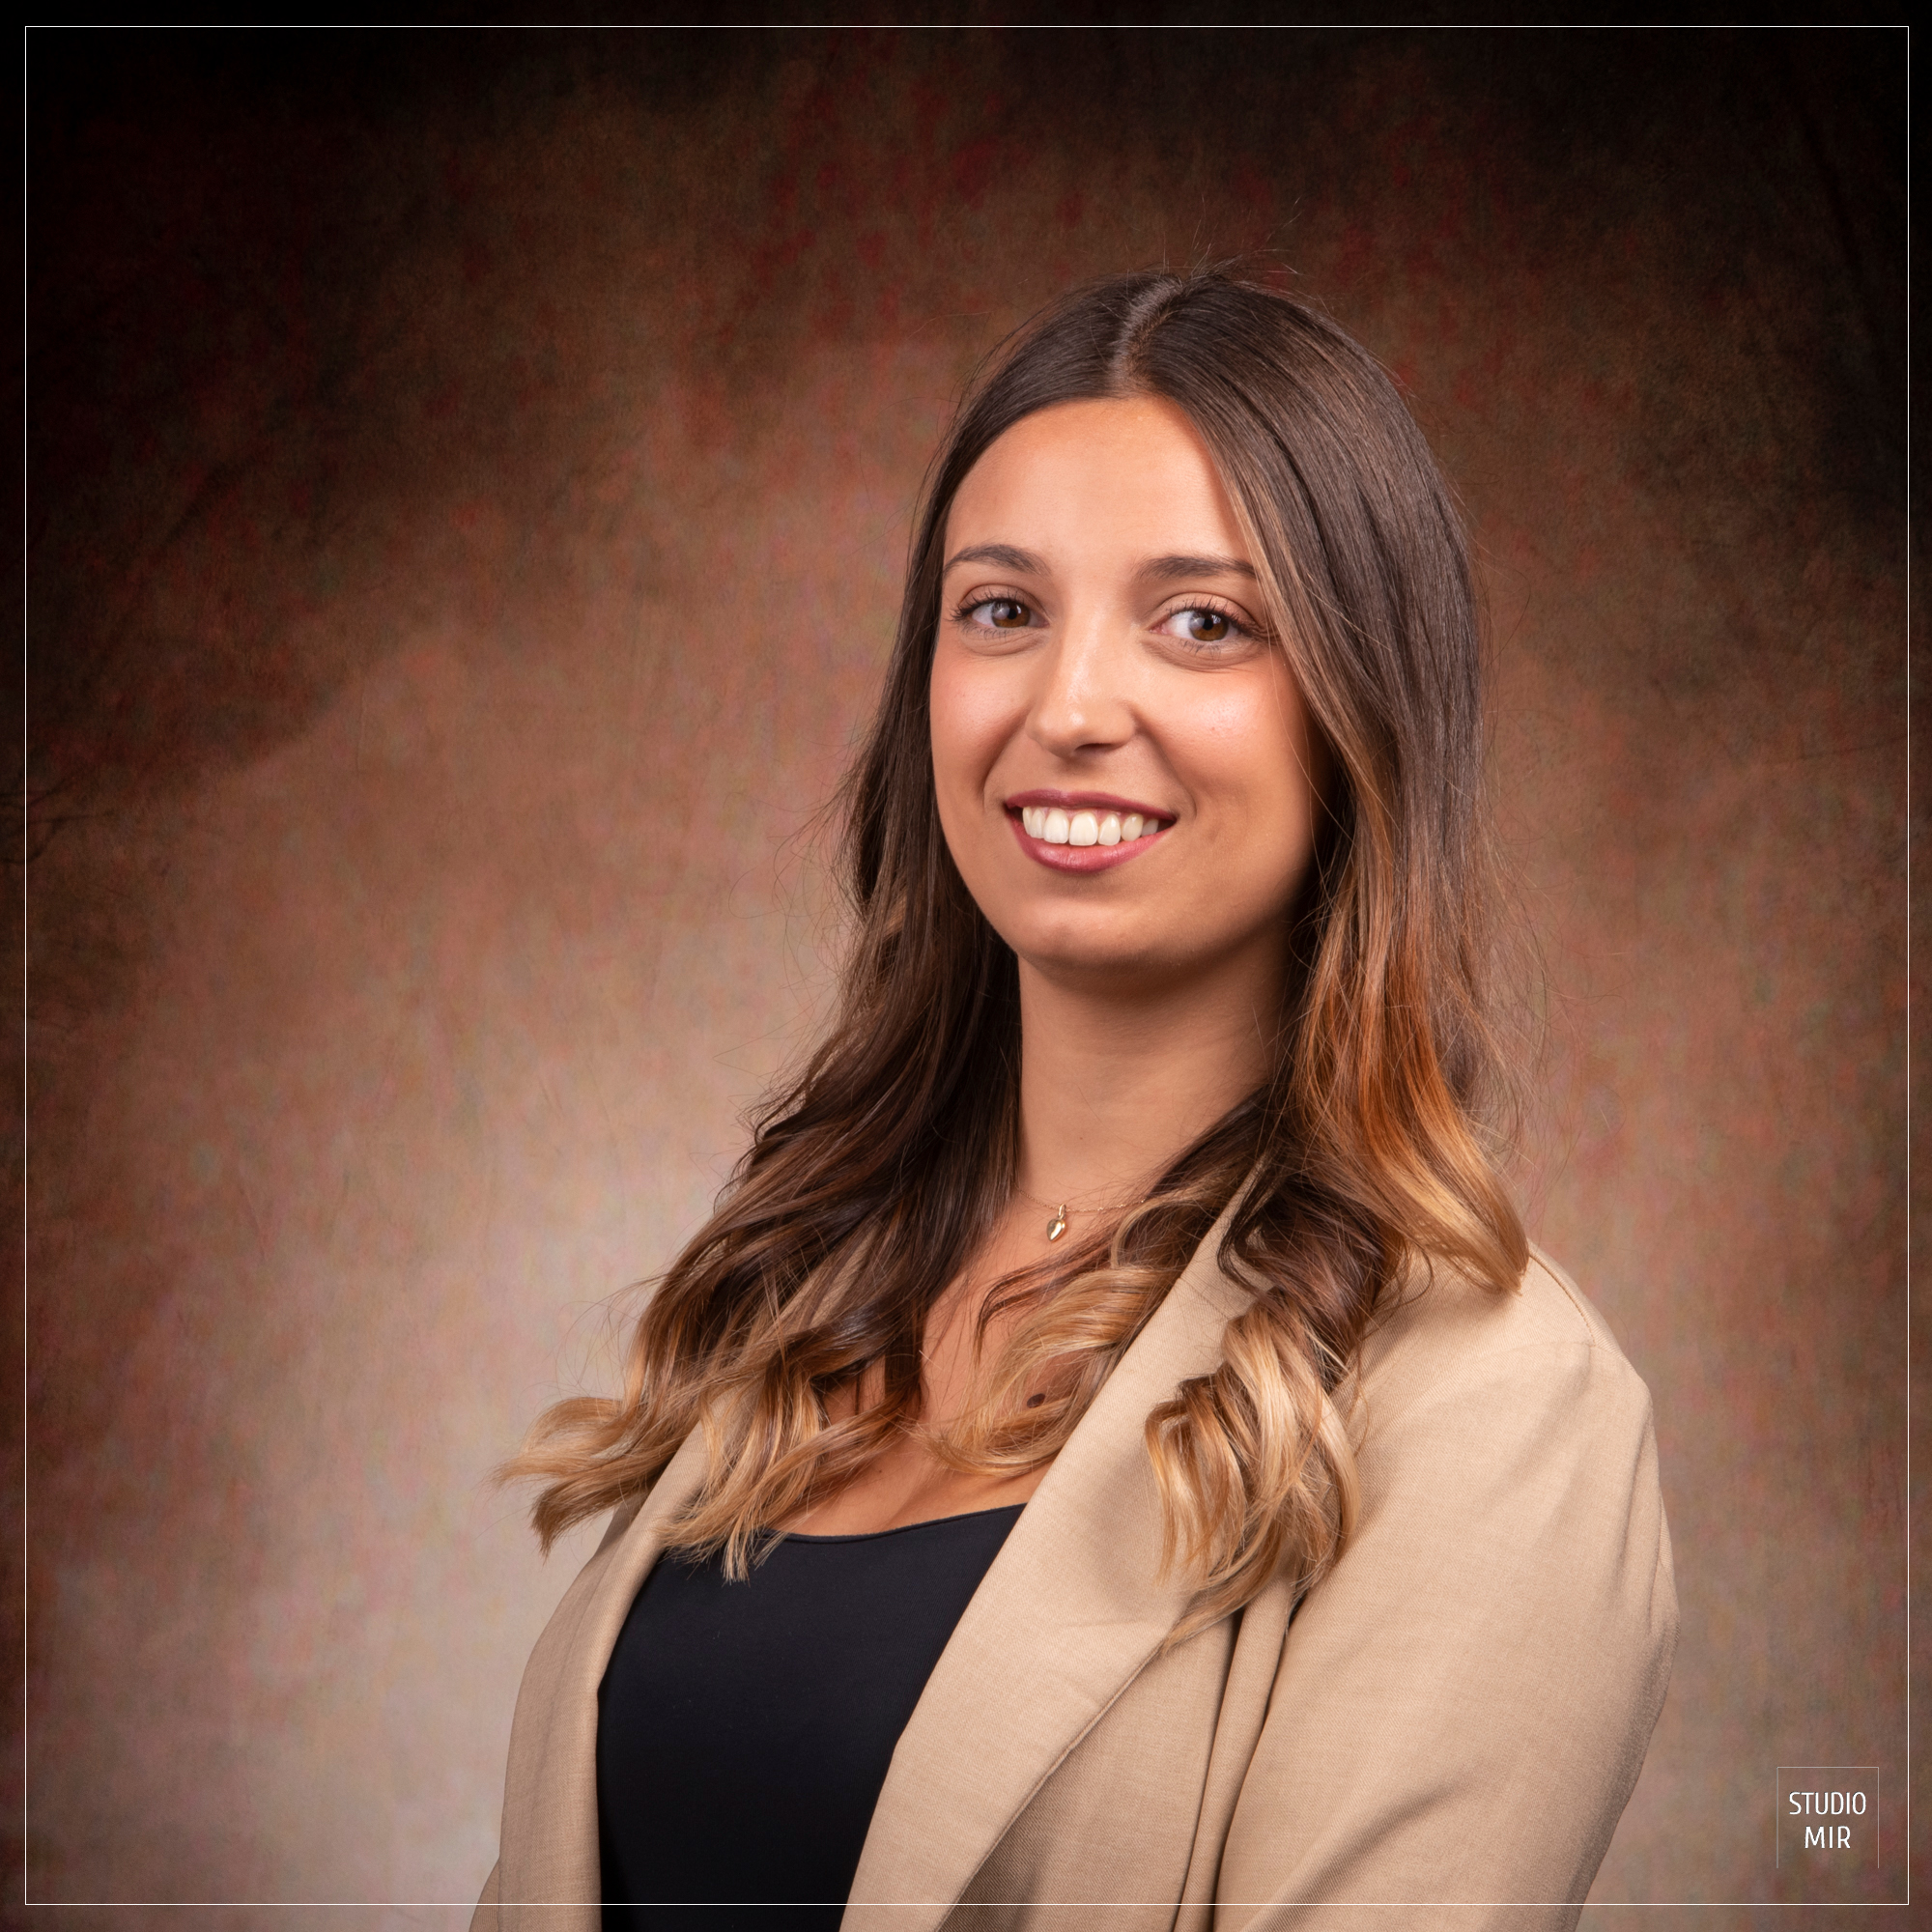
(1057, 1224)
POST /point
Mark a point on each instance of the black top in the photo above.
(744, 1729)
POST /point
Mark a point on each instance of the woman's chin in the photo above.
(1114, 965)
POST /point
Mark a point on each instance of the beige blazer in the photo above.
(1455, 1716)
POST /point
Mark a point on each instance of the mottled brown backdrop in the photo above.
(467, 480)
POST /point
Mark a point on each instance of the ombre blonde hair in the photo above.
(1370, 1151)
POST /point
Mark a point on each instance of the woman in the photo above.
(1112, 1456)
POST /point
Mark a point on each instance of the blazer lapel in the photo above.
(549, 1849)
(1066, 1618)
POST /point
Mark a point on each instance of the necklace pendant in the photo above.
(1057, 1225)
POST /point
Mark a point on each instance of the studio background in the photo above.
(468, 479)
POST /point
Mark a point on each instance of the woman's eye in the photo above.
(1002, 614)
(1200, 626)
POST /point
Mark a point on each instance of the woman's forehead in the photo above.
(1124, 479)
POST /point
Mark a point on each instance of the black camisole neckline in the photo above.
(744, 1730)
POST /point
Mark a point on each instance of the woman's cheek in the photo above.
(971, 707)
(1244, 737)
(1243, 713)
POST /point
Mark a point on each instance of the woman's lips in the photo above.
(1081, 834)
(1098, 802)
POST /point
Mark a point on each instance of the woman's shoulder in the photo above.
(1446, 1334)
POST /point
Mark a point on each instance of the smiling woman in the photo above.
(1112, 1454)
(1099, 651)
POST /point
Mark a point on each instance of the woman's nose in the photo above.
(1081, 701)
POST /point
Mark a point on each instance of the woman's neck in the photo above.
(1113, 1084)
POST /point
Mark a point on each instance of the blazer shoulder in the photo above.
(1443, 1328)
(1556, 1305)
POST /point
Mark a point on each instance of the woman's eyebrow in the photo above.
(1162, 569)
(1006, 556)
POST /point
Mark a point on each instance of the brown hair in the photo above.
(873, 1175)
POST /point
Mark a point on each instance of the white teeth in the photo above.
(1055, 827)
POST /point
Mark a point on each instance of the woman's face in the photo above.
(1123, 759)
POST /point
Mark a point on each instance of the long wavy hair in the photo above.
(1370, 1149)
